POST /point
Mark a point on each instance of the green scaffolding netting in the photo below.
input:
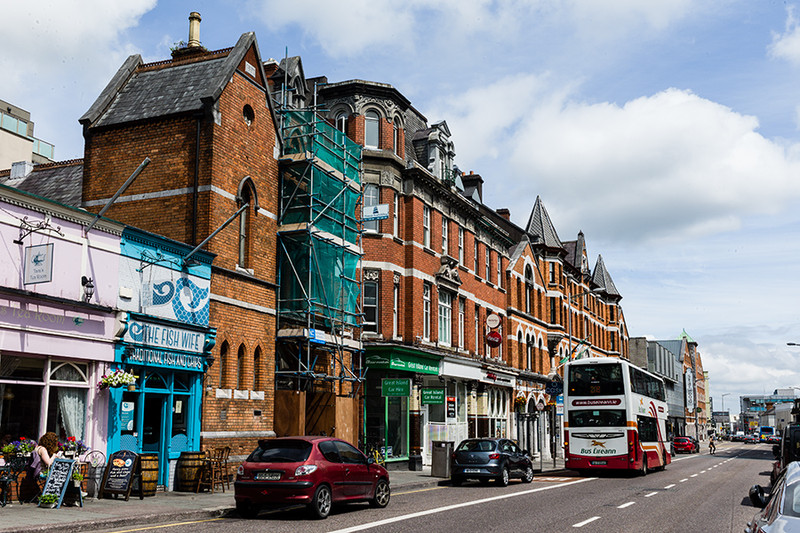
(306, 131)
(318, 277)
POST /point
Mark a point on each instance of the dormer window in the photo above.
(371, 129)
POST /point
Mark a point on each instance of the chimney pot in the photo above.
(194, 30)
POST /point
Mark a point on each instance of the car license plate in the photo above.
(597, 462)
(268, 476)
(472, 470)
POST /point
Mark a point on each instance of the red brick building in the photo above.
(206, 122)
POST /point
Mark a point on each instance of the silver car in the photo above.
(780, 509)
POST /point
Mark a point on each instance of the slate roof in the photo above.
(602, 278)
(674, 346)
(61, 182)
(541, 228)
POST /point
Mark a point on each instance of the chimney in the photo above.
(505, 213)
(21, 169)
(194, 30)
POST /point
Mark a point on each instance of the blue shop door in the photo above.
(155, 430)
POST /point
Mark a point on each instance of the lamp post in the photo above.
(570, 297)
(722, 398)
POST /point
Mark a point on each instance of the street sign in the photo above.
(396, 387)
(375, 212)
(432, 396)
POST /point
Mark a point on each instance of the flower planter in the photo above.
(48, 505)
(131, 388)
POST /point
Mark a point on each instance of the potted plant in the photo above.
(73, 447)
(48, 500)
(117, 378)
(77, 478)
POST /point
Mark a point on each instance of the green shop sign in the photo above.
(432, 396)
(396, 387)
(399, 360)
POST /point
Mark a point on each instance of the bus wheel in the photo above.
(644, 470)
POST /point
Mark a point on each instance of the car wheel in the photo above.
(246, 509)
(527, 477)
(456, 481)
(320, 505)
(502, 479)
(382, 495)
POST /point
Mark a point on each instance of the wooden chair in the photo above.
(211, 473)
(225, 471)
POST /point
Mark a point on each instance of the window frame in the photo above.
(426, 311)
(426, 226)
(372, 126)
(370, 326)
(445, 318)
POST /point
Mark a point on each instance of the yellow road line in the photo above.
(169, 525)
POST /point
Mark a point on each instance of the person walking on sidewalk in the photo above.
(711, 446)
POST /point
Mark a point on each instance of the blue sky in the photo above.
(666, 131)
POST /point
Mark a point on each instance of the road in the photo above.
(695, 493)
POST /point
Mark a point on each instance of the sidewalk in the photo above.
(168, 506)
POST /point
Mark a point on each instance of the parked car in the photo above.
(315, 471)
(750, 439)
(780, 509)
(786, 451)
(685, 445)
(774, 439)
(490, 459)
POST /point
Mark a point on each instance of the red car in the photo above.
(313, 471)
(684, 444)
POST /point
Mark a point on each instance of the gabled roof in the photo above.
(602, 278)
(140, 92)
(61, 182)
(540, 228)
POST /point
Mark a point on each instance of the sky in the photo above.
(667, 132)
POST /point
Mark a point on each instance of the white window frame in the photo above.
(371, 327)
(372, 197)
(460, 245)
(476, 256)
(372, 127)
(488, 269)
(426, 312)
(426, 226)
(396, 215)
(395, 310)
(499, 274)
(341, 121)
(445, 236)
(445, 318)
(462, 304)
(477, 330)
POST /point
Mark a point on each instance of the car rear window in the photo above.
(280, 451)
(476, 446)
(791, 505)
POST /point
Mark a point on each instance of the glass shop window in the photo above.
(66, 412)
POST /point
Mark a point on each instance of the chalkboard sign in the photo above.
(59, 480)
(121, 470)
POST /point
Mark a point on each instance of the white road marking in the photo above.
(624, 505)
(589, 521)
(669, 486)
(400, 518)
(651, 494)
(684, 479)
(693, 475)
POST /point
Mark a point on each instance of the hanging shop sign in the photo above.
(396, 387)
(38, 264)
(451, 407)
(431, 396)
(494, 338)
(492, 321)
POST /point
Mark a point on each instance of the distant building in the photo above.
(658, 357)
(17, 143)
(758, 409)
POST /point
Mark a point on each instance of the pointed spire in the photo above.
(603, 279)
(541, 228)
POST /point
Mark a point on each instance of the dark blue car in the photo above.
(490, 459)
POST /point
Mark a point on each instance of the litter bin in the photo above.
(440, 458)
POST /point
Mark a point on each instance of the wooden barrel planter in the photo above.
(188, 471)
(149, 465)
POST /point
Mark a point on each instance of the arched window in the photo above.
(371, 129)
(519, 347)
(541, 356)
(257, 370)
(528, 288)
(341, 121)
(529, 352)
(245, 197)
(241, 374)
(223, 361)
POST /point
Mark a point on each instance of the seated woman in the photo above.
(43, 456)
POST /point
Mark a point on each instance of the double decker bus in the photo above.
(615, 416)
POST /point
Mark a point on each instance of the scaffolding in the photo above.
(319, 249)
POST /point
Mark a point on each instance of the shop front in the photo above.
(160, 413)
(52, 352)
(391, 400)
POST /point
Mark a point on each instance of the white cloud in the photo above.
(669, 164)
(786, 45)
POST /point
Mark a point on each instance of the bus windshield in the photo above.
(585, 418)
(595, 380)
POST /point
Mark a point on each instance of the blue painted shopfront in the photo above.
(164, 339)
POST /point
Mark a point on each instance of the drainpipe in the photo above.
(195, 192)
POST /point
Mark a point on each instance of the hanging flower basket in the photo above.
(73, 447)
(117, 378)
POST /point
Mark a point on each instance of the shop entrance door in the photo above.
(154, 430)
